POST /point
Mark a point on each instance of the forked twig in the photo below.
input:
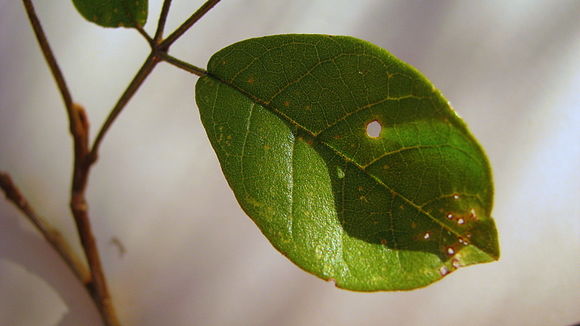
(79, 129)
(158, 52)
(85, 156)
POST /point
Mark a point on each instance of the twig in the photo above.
(79, 129)
(49, 56)
(53, 236)
(145, 35)
(162, 20)
(158, 52)
(139, 78)
(188, 23)
(183, 65)
(79, 208)
(85, 156)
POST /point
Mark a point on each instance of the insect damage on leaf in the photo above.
(363, 172)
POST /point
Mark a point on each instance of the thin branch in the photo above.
(85, 156)
(139, 78)
(98, 285)
(53, 236)
(79, 128)
(145, 35)
(158, 52)
(188, 23)
(81, 148)
(183, 65)
(79, 208)
(162, 20)
(49, 56)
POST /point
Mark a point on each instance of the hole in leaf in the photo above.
(374, 129)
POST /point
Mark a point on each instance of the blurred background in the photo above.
(177, 248)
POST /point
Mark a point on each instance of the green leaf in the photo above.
(287, 116)
(113, 13)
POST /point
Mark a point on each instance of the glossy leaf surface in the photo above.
(393, 208)
(114, 13)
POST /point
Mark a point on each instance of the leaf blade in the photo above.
(114, 13)
(332, 211)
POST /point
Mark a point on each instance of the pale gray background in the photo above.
(510, 68)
